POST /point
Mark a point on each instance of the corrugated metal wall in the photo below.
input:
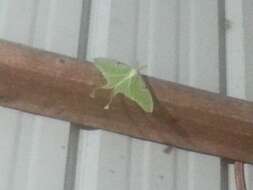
(239, 43)
(33, 149)
(179, 41)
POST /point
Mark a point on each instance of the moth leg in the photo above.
(93, 92)
(107, 106)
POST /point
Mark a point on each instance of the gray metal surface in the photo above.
(33, 149)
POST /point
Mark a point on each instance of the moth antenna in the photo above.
(141, 67)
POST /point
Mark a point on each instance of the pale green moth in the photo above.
(126, 80)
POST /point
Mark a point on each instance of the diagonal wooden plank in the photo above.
(186, 117)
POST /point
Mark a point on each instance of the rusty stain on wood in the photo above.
(38, 82)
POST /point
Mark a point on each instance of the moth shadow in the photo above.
(162, 113)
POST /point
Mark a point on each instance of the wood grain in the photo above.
(57, 86)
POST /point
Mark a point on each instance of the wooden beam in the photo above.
(57, 86)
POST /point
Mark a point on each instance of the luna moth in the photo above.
(123, 79)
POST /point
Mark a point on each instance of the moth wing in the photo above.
(139, 93)
(112, 70)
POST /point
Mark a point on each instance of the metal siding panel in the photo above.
(235, 61)
(156, 33)
(248, 31)
(33, 148)
(235, 49)
(203, 64)
(248, 42)
(239, 59)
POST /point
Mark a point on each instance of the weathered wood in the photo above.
(57, 86)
